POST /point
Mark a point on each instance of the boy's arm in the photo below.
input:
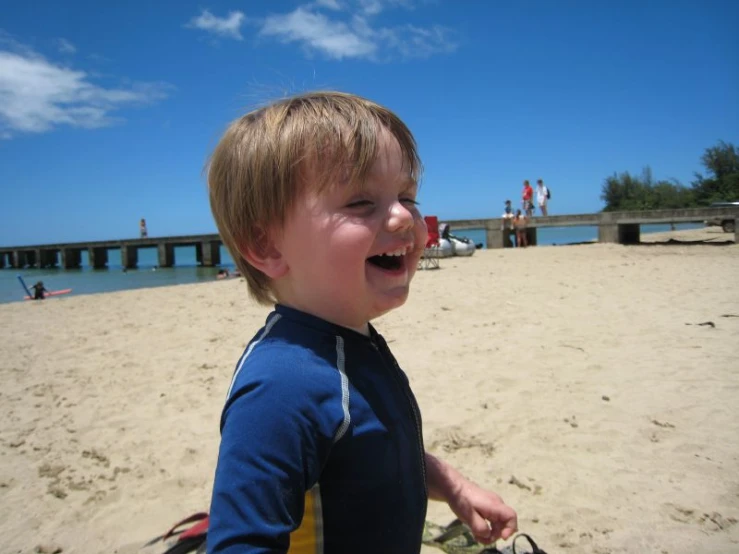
(483, 511)
(273, 445)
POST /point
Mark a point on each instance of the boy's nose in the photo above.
(400, 219)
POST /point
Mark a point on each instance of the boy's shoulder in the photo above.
(288, 370)
(288, 354)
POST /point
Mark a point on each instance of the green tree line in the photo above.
(626, 192)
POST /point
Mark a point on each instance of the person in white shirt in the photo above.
(542, 195)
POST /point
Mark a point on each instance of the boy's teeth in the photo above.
(398, 252)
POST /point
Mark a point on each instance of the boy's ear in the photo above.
(264, 254)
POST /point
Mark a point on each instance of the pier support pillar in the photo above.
(608, 232)
(531, 236)
(98, 257)
(209, 253)
(619, 233)
(31, 258)
(19, 259)
(495, 237)
(509, 237)
(2, 260)
(165, 252)
(71, 258)
(44, 258)
(129, 256)
(629, 233)
(52, 258)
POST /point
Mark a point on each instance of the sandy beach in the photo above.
(594, 387)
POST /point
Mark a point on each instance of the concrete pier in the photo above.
(69, 255)
(46, 258)
(19, 258)
(71, 258)
(614, 227)
(208, 253)
(129, 256)
(628, 233)
(165, 252)
(98, 257)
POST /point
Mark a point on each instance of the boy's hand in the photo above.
(484, 512)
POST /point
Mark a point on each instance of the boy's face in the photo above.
(350, 253)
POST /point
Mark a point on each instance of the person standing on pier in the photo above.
(542, 196)
(527, 197)
(142, 228)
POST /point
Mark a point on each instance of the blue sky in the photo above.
(108, 111)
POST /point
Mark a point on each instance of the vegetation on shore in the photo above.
(626, 192)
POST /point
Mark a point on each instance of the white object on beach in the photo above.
(444, 250)
(462, 246)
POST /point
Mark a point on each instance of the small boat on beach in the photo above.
(462, 246)
(449, 245)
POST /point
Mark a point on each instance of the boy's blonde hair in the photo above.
(266, 158)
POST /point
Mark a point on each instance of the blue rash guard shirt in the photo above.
(321, 446)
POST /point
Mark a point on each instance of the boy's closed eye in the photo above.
(361, 203)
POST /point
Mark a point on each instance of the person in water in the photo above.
(39, 290)
(321, 436)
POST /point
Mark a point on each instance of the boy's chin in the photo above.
(389, 301)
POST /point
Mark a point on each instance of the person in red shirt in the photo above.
(527, 199)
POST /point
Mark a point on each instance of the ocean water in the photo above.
(90, 281)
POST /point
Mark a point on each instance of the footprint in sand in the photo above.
(713, 522)
(454, 439)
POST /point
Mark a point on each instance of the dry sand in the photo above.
(583, 383)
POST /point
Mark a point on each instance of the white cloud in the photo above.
(37, 95)
(330, 4)
(416, 42)
(374, 7)
(66, 47)
(229, 27)
(316, 31)
(358, 36)
(370, 7)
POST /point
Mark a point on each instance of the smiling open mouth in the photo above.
(387, 261)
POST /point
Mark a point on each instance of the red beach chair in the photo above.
(431, 253)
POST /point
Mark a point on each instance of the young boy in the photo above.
(321, 441)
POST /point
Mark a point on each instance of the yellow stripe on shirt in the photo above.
(308, 538)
